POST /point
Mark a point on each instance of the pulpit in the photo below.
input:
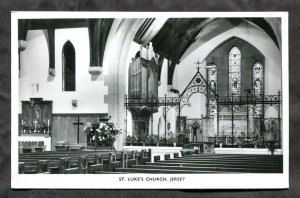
(94, 134)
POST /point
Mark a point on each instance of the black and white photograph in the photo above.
(150, 100)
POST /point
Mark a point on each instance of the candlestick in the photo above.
(22, 128)
(48, 126)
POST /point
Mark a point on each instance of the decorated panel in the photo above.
(36, 116)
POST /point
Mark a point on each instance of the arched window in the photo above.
(68, 67)
(234, 71)
(258, 73)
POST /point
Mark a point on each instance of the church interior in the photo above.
(149, 90)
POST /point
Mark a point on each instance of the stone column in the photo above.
(118, 44)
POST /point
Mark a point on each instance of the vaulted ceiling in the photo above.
(177, 34)
(171, 38)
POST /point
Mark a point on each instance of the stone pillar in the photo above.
(118, 44)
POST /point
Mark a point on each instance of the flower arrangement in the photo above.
(132, 139)
(150, 140)
(254, 139)
(103, 133)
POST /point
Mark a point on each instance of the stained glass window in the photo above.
(258, 73)
(234, 71)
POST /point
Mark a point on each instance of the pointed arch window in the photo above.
(234, 71)
(258, 73)
(68, 67)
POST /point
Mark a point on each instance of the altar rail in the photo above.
(34, 140)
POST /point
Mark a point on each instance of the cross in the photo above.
(78, 124)
(199, 64)
(35, 123)
(37, 86)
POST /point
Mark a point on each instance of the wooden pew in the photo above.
(85, 162)
(211, 164)
(41, 166)
(133, 160)
(208, 169)
(156, 158)
(64, 165)
(80, 168)
(72, 171)
(167, 156)
(176, 155)
(98, 166)
(144, 157)
(83, 165)
(58, 166)
(21, 167)
(124, 159)
(111, 163)
(160, 171)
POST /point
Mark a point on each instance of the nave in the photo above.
(107, 162)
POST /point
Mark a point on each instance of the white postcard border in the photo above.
(111, 181)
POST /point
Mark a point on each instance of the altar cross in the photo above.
(35, 123)
(199, 64)
(78, 125)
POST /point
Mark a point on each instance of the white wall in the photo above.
(34, 69)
